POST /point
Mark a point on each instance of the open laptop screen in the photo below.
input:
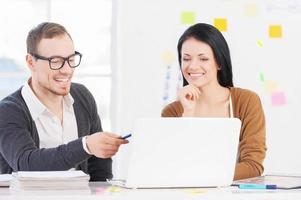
(183, 152)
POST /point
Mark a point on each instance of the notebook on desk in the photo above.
(182, 152)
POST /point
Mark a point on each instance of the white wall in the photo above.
(145, 31)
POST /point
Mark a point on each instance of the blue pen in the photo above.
(257, 186)
(126, 136)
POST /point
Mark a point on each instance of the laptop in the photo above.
(182, 152)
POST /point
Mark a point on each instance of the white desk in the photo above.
(101, 191)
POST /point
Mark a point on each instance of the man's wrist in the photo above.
(85, 146)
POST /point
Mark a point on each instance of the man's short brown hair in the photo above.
(44, 30)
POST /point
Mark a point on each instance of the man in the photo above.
(51, 123)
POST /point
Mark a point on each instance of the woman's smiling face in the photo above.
(198, 63)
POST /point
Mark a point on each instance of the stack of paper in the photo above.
(5, 180)
(49, 180)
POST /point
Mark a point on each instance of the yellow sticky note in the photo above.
(188, 17)
(251, 10)
(275, 31)
(114, 189)
(195, 190)
(271, 86)
(168, 58)
(221, 24)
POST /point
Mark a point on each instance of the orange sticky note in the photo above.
(271, 86)
(168, 57)
(221, 24)
(251, 10)
(275, 31)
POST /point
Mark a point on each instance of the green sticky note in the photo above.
(261, 77)
(188, 18)
(260, 43)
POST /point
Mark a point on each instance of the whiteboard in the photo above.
(264, 40)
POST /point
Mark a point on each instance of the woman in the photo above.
(208, 91)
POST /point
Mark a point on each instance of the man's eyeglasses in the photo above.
(57, 62)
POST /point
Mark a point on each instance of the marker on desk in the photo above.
(126, 136)
(257, 186)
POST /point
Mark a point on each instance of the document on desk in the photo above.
(5, 180)
(45, 180)
(281, 181)
(51, 175)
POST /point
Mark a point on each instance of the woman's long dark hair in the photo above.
(214, 38)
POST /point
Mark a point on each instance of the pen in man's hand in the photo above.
(126, 136)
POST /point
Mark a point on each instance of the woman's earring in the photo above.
(219, 68)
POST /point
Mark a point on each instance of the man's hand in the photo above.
(104, 144)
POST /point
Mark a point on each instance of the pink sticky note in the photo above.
(278, 99)
(99, 190)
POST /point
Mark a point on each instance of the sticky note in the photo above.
(278, 99)
(168, 57)
(221, 24)
(259, 43)
(271, 86)
(195, 190)
(251, 10)
(275, 31)
(188, 17)
(261, 77)
(99, 190)
(114, 189)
